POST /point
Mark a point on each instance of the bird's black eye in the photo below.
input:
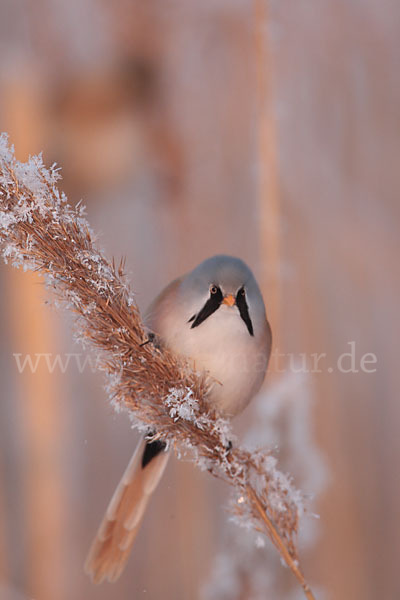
(213, 303)
(242, 292)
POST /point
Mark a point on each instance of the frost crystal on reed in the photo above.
(40, 230)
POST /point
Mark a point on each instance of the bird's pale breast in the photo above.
(223, 347)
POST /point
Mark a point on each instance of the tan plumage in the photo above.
(231, 340)
(120, 525)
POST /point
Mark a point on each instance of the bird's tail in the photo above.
(111, 547)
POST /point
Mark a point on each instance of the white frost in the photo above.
(182, 405)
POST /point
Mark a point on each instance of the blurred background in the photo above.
(267, 130)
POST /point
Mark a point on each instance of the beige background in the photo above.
(265, 131)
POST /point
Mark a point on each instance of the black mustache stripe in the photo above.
(212, 304)
(244, 310)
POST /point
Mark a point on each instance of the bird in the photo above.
(214, 317)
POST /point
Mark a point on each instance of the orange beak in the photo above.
(229, 300)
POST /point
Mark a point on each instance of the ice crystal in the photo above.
(40, 230)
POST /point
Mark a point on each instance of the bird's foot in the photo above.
(152, 339)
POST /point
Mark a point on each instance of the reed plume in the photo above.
(39, 230)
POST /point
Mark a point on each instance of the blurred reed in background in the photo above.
(268, 131)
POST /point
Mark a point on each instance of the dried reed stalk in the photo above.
(39, 230)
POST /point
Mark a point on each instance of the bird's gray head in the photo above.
(223, 281)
